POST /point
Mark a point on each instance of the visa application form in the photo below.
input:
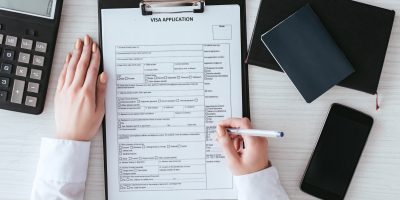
(172, 78)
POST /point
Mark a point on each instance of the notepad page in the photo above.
(172, 78)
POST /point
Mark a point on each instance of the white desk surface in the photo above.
(275, 104)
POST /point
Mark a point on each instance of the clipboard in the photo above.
(197, 6)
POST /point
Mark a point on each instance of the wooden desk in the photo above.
(275, 104)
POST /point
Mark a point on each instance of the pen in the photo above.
(253, 132)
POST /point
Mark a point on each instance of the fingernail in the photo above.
(68, 58)
(103, 78)
(221, 133)
(87, 40)
(94, 47)
(78, 44)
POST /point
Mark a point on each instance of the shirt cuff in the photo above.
(63, 160)
(260, 185)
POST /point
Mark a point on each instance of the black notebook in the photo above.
(361, 31)
(307, 53)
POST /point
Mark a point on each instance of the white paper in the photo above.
(172, 78)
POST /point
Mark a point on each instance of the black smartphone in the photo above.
(337, 153)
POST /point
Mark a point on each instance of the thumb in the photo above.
(101, 92)
(227, 146)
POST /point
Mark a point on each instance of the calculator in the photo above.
(28, 34)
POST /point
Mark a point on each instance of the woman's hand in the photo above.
(79, 100)
(241, 161)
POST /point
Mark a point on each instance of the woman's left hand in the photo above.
(79, 100)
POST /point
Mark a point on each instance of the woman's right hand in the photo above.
(241, 161)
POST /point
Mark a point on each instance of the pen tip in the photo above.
(282, 134)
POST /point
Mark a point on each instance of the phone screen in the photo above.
(337, 152)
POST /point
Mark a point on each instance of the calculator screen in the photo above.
(39, 8)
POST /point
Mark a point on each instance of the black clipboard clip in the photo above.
(150, 7)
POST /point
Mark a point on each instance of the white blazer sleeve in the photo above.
(61, 171)
(261, 185)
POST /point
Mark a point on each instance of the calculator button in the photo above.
(38, 60)
(41, 47)
(21, 71)
(11, 41)
(30, 101)
(6, 68)
(8, 55)
(36, 74)
(3, 96)
(26, 44)
(24, 58)
(1, 38)
(4, 82)
(17, 91)
(33, 87)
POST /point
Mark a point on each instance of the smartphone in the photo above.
(337, 153)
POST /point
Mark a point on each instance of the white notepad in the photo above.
(172, 78)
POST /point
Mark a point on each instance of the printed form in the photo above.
(172, 78)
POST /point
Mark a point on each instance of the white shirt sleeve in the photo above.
(261, 185)
(62, 170)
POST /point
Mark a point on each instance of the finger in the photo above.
(76, 54)
(227, 146)
(255, 144)
(93, 70)
(101, 93)
(236, 123)
(237, 143)
(83, 63)
(61, 79)
(233, 136)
